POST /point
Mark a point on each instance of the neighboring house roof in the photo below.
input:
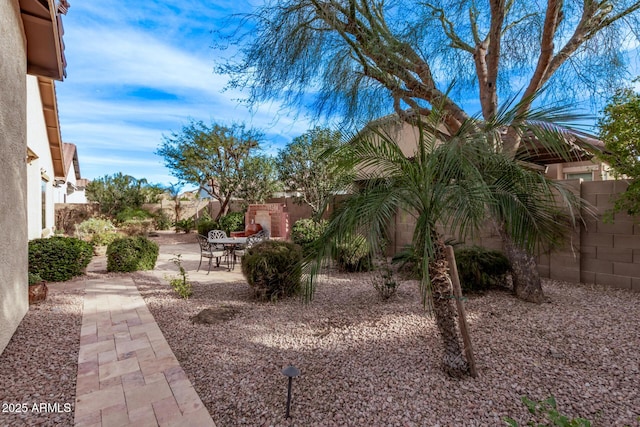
(70, 155)
(43, 30)
(582, 146)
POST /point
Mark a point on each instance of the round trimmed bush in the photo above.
(59, 258)
(272, 269)
(132, 254)
(353, 253)
(480, 269)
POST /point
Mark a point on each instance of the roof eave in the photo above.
(43, 31)
(50, 109)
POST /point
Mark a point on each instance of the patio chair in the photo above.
(211, 251)
(217, 234)
(252, 240)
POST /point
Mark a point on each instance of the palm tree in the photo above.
(453, 186)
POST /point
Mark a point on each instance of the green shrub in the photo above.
(59, 258)
(206, 225)
(97, 231)
(306, 231)
(131, 254)
(128, 214)
(272, 269)
(181, 283)
(162, 221)
(384, 282)
(233, 221)
(480, 268)
(137, 227)
(353, 253)
(184, 225)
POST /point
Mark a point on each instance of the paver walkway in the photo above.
(127, 373)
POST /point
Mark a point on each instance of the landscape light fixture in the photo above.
(290, 372)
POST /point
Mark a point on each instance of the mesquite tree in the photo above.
(306, 166)
(358, 58)
(220, 160)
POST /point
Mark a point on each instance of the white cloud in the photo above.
(138, 70)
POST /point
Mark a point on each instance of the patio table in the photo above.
(231, 243)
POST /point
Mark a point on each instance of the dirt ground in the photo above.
(170, 237)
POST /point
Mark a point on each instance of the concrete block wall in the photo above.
(610, 251)
(596, 252)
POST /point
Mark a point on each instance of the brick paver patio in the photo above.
(127, 373)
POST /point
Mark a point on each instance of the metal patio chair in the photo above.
(211, 251)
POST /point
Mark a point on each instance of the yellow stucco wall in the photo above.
(13, 206)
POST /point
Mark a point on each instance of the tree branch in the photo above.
(447, 27)
(552, 20)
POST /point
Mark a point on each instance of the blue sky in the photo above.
(139, 69)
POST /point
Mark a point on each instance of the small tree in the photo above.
(259, 179)
(620, 131)
(216, 158)
(174, 192)
(306, 165)
(116, 192)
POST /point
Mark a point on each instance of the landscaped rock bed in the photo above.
(38, 367)
(365, 362)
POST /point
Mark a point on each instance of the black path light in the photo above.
(291, 372)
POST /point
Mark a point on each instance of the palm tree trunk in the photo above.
(445, 313)
(527, 285)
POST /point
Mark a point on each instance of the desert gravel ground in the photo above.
(38, 367)
(367, 362)
(363, 361)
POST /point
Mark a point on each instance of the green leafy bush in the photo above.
(181, 283)
(480, 268)
(306, 231)
(353, 253)
(384, 282)
(59, 258)
(97, 231)
(184, 225)
(547, 411)
(137, 227)
(132, 254)
(162, 221)
(272, 269)
(128, 214)
(206, 225)
(233, 221)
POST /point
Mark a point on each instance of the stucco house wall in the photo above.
(40, 174)
(73, 189)
(13, 201)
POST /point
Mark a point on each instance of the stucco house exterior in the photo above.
(31, 58)
(72, 190)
